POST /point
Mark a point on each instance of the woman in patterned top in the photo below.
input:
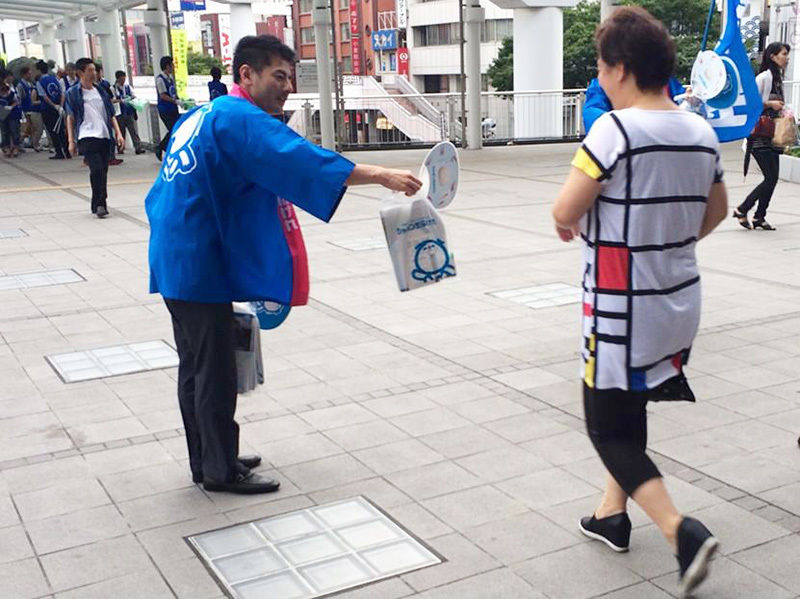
(645, 186)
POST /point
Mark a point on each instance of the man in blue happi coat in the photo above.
(223, 229)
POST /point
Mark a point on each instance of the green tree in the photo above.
(580, 56)
(501, 71)
(200, 64)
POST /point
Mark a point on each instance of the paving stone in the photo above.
(145, 584)
(428, 422)
(76, 528)
(295, 450)
(473, 507)
(433, 480)
(419, 521)
(520, 538)
(165, 508)
(46, 474)
(776, 560)
(563, 448)
(378, 490)
(464, 559)
(497, 584)
(94, 563)
(503, 463)
(464, 441)
(575, 573)
(752, 473)
(369, 434)
(398, 405)
(189, 579)
(22, 579)
(166, 544)
(729, 580)
(546, 488)
(526, 427)
(786, 497)
(326, 473)
(149, 480)
(62, 498)
(397, 456)
(14, 544)
(643, 590)
(489, 409)
(338, 416)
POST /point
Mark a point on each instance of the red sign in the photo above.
(354, 28)
(355, 49)
(131, 48)
(403, 54)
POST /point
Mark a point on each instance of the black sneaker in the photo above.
(614, 531)
(696, 545)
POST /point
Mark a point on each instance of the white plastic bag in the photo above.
(417, 241)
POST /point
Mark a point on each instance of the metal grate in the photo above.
(113, 361)
(549, 295)
(12, 233)
(42, 278)
(361, 245)
(310, 553)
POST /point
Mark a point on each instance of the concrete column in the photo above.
(107, 28)
(10, 30)
(473, 17)
(47, 40)
(606, 8)
(322, 28)
(74, 32)
(539, 34)
(242, 21)
(156, 20)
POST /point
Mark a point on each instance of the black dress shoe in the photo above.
(253, 484)
(250, 461)
(102, 212)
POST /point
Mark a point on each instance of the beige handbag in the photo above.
(785, 132)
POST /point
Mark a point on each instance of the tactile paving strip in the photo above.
(361, 245)
(42, 278)
(548, 295)
(12, 233)
(113, 361)
(310, 553)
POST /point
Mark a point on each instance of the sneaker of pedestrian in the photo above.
(614, 531)
(140, 151)
(115, 161)
(102, 212)
(696, 546)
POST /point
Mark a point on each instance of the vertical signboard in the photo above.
(355, 37)
(180, 54)
(225, 41)
(402, 61)
(131, 49)
(401, 7)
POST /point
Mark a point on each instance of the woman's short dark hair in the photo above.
(42, 67)
(258, 51)
(631, 36)
(770, 51)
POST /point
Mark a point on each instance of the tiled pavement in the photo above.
(456, 411)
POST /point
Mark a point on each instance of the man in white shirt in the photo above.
(92, 128)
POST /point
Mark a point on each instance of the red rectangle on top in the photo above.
(612, 268)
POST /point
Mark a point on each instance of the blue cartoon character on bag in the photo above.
(432, 261)
(181, 159)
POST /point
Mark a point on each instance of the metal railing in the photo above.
(378, 119)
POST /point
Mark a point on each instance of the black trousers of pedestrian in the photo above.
(769, 163)
(207, 385)
(169, 119)
(59, 137)
(95, 151)
(617, 424)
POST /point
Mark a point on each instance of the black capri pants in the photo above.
(616, 421)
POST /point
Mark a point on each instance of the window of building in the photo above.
(347, 64)
(437, 35)
(307, 35)
(344, 3)
(496, 30)
(344, 28)
(306, 6)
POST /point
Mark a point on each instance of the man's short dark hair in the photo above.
(165, 62)
(119, 74)
(42, 67)
(631, 36)
(83, 63)
(216, 72)
(24, 71)
(258, 51)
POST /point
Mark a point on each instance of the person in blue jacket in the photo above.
(596, 102)
(52, 97)
(215, 87)
(223, 229)
(168, 101)
(9, 102)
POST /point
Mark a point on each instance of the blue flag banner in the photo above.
(193, 4)
(384, 39)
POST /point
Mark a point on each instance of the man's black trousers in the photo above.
(207, 386)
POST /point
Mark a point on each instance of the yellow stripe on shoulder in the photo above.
(586, 163)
